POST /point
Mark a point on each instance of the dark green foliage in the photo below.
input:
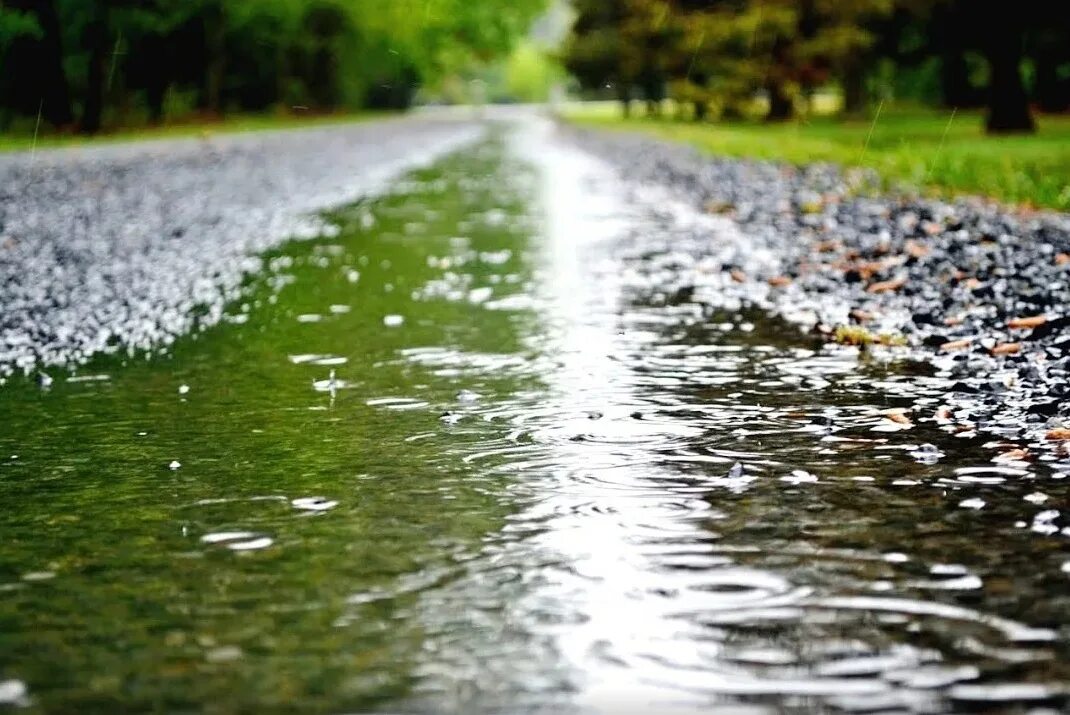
(88, 63)
(724, 55)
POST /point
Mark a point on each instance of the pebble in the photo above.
(965, 273)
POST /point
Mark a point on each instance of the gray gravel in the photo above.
(947, 278)
(111, 248)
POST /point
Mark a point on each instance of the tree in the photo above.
(31, 39)
(594, 50)
(1003, 36)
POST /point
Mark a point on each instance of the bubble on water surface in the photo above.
(223, 654)
(313, 503)
(799, 476)
(89, 378)
(238, 540)
(13, 692)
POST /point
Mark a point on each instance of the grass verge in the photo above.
(185, 128)
(939, 153)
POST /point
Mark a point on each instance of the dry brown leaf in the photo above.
(972, 283)
(1007, 349)
(738, 276)
(1030, 322)
(779, 281)
(955, 345)
(861, 316)
(1014, 455)
(1058, 434)
(943, 413)
(899, 418)
(916, 249)
(1062, 259)
(887, 286)
(954, 320)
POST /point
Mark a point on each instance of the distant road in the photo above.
(111, 246)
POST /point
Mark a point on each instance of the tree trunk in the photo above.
(97, 36)
(40, 83)
(1008, 105)
(854, 90)
(1052, 91)
(56, 97)
(624, 96)
(215, 63)
(955, 89)
(780, 104)
(154, 94)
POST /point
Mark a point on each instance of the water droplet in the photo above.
(313, 503)
(238, 540)
(223, 654)
(12, 692)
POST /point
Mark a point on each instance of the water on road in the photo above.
(480, 452)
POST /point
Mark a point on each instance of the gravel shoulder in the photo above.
(979, 292)
(111, 248)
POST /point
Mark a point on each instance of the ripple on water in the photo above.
(238, 540)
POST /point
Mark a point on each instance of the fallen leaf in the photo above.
(887, 286)
(861, 316)
(714, 206)
(943, 414)
(1007, 349)
(738, 276)
(916, 249)
(1030, 322)
(972, 283)
(955, 345)
(1014, 455)
(898, 418)
(954, 320)
(1058, 434)
(1062, 259)
(779, 281)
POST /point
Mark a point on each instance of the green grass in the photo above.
(24, 141)
(910, 150)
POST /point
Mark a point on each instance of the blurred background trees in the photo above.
(88, 63)
(775, 57)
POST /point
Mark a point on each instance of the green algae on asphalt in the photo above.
(112, 597)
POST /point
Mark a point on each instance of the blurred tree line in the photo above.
(719, 55)
(82, 63)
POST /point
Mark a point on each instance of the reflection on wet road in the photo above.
(490, 450)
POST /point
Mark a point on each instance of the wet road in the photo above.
(479, 452)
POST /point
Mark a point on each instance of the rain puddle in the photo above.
(478, 452)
